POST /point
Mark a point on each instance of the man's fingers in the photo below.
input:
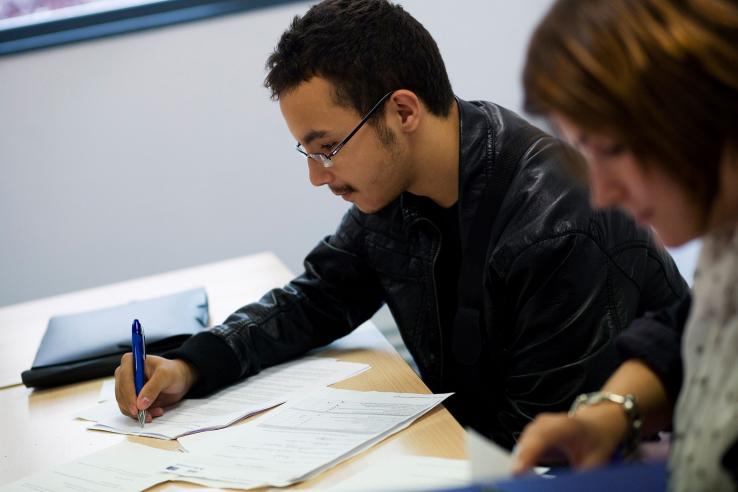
(156, 411)
(125, 392)
(158, 382)
(160, 391)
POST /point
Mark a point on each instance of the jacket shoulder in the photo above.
(546, 204)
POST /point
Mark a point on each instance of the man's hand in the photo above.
(167, 382)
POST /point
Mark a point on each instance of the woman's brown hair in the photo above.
(659, 76)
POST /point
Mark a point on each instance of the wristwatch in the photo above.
(627, 403)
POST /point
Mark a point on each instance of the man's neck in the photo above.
(437, 159)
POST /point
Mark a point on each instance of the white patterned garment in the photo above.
(706, 421)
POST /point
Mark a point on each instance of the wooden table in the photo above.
(38, 430)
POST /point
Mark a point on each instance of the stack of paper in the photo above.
(265, 390)
(290, 444)
(298, 440)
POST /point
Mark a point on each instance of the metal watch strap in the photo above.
(627, 403)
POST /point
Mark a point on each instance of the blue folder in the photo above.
(87, 345)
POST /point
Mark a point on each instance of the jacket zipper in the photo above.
(435, 300)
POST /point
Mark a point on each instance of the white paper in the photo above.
(107, 391)
(300, 439)
(407, 473)
(123, 467)
(488, 460)
(265, 390)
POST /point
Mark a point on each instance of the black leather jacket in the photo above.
(561, 281)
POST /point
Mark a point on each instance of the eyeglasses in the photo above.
(327, 159)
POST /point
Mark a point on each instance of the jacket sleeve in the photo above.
(656, 340)
(560, 326)
(335, 294)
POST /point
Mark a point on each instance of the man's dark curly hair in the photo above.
(365, 48)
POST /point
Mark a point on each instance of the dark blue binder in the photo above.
(87, 345)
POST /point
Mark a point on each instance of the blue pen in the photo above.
(138, 342)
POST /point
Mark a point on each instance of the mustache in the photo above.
(341, 190)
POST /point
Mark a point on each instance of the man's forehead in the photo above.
(316, 92)
(311, 111)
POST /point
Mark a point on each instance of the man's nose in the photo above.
(319, 174)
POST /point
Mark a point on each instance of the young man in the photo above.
(507, 288)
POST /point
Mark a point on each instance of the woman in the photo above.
(648, 92)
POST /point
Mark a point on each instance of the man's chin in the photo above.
(367, 208)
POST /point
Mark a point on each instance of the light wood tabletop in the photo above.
(38, 428)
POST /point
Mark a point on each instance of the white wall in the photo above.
(158, 150)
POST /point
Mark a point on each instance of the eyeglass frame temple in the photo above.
(340, 144)
(366, 117)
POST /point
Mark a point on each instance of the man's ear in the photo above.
(406, 108)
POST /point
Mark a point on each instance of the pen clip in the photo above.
(143, 340)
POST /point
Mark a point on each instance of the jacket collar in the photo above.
(476, 158)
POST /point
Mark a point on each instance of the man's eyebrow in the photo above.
(313, 135)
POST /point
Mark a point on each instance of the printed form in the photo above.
(123, 467)
(271, 387)
(298, 440)
(292, 443)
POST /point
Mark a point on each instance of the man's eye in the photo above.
(328, 146)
